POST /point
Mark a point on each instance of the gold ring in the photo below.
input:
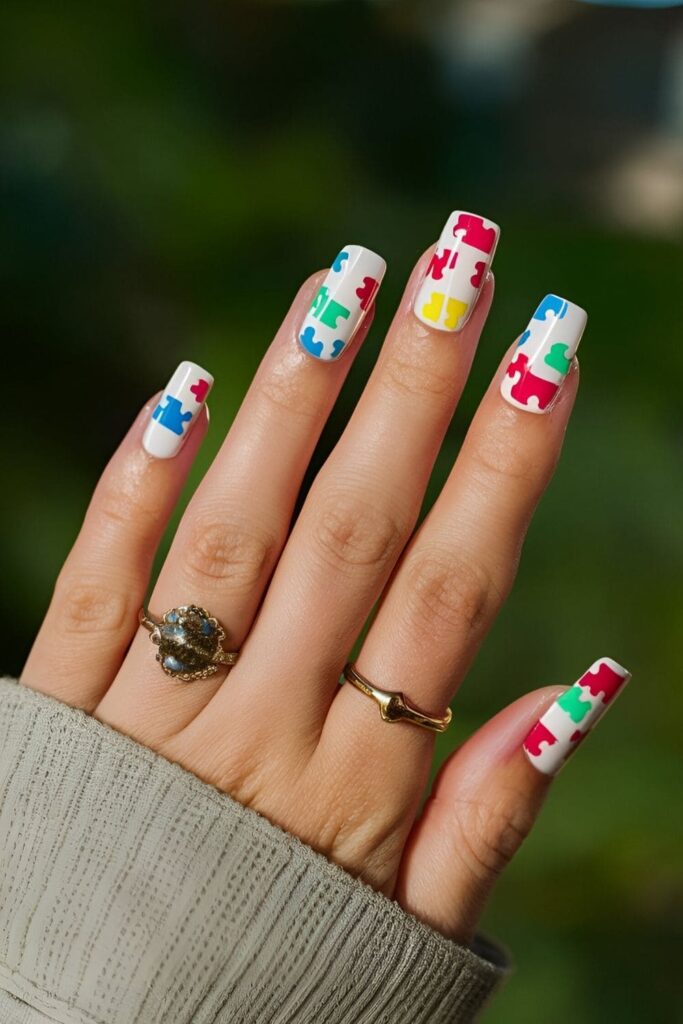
(393, 706)
(189, 642)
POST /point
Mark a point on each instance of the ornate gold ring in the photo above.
(189, 642)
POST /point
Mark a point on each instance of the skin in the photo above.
(281, 735)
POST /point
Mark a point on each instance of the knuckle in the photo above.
(121, 503)
(286, 389)
(349, 533)
(489, 832)
(90, 606)
(407, 372)
(235, 767)
(367, 838)
(497, 457)
(229, 552)
(446, 594)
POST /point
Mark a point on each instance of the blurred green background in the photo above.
(170, 172)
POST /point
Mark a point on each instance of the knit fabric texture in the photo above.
(132, 892)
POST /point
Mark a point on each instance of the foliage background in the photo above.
(159, 162)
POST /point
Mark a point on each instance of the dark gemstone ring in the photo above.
(189, 642)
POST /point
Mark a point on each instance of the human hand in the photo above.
(278, 733)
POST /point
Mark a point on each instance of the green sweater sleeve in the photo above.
(132, 892)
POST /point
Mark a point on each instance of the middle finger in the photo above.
(358, 515)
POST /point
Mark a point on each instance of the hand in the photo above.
(278, 733)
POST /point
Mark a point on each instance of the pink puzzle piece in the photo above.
(477, 276)
(475, 234)
(605, 681)
(366, 292)
(200, 389)
(538, 735)
(439, 262)
(529, 385)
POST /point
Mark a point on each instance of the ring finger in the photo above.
(233, 530)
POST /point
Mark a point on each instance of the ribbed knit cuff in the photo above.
(132, 892)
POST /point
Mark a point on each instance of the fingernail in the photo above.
(457, 271)
(559, 731)
(172, 418)
(543, 355)
(342, 302)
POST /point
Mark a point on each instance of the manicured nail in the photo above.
(342, 302)
(559, 731)
(172, 419)
(544, 355)
(457, 271)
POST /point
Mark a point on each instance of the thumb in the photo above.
(487, 796)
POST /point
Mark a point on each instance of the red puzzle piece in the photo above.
(367, 291)
(539, 734)
(479, 268)
(439, 261)
(475, 233)
(529, 385)
(605, 681)
(200, 389)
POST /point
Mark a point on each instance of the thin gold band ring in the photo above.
(393, 705)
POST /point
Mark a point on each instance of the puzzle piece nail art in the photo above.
(553, 305)
(539, 736)
(459, 264)
(339, 261)
(478, 275)
(439, 262)
(544, 355)
(171, 415)
(367, 291)
(571, 702)
(566, 723)
(454, 310)
(309, 342)
(472, 230)
(200, 390)
(176, 411)
(557, 359)
(342, 301)
(529, 391)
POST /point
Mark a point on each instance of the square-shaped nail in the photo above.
(544, 355)
(173, 416)
(457, 271)
(342, 302)
(557, 734)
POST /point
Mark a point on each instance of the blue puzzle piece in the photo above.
(171, 415)
(523, 338)
(551, 304)
(339, 261)
(307, 339)
(338, 347)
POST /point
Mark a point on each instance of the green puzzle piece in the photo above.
(320, 299)
(331, 312)
(571, 702)
(327, 310)
(557, 359)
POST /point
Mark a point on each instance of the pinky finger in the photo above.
(92, 616)
(488, 795)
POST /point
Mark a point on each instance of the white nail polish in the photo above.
(457, 271)
(342, 302)
(544, 355)
(557, 734)
(173, 416)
